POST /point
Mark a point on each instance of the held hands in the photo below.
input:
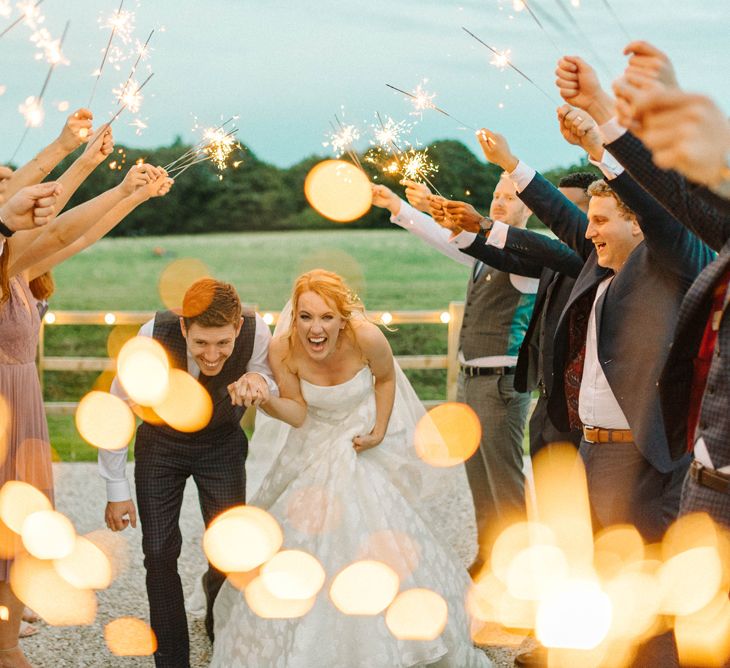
(76, 131)
(32, 206)
(249, 390)
(120, 514)
(497, 150)
(145, 181)
(366, 442)
(462, 216)
(579, 129)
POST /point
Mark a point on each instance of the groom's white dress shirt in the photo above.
(112, 463)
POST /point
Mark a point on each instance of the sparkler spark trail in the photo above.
(419, 100)
(387, 134)
(142, 54)
(502, 56)
(417, 166)
(28, 14)
(32, 109)
(106, 52)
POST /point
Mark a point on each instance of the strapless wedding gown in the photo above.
(341, 506)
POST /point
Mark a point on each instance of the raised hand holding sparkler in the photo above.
(496, 150)
(578, 84)
(77, 130)
(647, 59)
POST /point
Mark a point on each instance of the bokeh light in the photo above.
(575, 616)
(37, 584)
(86, 567)
(448, 434)
(104, 420)
(143, 370)
(690, 580)
(241, 539)
(186, 407)
(177, 277)
(6, 424)
(417, 614)
(703, 638)
(617, 547)
(338, 261)
(535, 571)
(48, 534)
(365, 587)
(293, 574)
(338, 190)
(129, 636)
(264, 604)
(17, 501)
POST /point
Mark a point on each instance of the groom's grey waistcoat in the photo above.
(226, 418)
(496, 316)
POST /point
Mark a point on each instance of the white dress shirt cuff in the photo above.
(522, 175)
(608, 165)
(611, 130)
(498, 235)
(463, 239)
(118, 490)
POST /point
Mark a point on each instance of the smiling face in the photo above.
(506, 206)
(210, 347)
(318, 325)
(613, 233)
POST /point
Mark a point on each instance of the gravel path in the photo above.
(81, 496)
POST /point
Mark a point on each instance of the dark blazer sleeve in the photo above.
(557, 212)
(670, 243)
(502, 259)
(687, 201)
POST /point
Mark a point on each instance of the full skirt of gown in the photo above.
(341, 506)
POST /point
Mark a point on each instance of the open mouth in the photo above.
(317, 343)
(209, 365)
(600, 246)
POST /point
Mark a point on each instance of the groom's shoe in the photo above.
(534, 658)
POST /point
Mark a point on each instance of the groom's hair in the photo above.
(211, 303)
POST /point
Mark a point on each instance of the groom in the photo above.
(219, 345)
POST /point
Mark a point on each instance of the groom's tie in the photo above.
(478, 270)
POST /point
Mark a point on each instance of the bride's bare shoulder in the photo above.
(368, 335)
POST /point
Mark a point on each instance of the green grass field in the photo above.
(388, 269)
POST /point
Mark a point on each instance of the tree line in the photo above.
(257, 196)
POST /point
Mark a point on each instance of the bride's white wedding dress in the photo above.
(341, 506)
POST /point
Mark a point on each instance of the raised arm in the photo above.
(379, 356)
(142, 183)
(289, 406)
(555, 210)
(75, 132)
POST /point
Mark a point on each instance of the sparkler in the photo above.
(142, 51)
(594, 54)
(32, 109)
(621, 26)
(217, 146)
(106, 52)
(541, 26)
(420, 98)
(28, 14)
(503, 57)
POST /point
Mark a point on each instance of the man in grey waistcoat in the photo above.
(497, 312)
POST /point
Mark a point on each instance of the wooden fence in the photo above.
(450, 318)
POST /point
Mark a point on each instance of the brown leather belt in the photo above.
(598, 435)
(720, 482)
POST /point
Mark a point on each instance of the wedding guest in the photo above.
(694, 384)
(27, 254)
(497, 312)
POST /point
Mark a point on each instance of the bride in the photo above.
(351, 457)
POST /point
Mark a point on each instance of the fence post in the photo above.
(456, 314)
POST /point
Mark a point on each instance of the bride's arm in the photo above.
(376, 349)
(289, 406)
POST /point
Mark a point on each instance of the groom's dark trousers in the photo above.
(164, 459)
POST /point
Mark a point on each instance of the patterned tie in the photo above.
(577, 332)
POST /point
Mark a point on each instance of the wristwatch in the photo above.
(486, 223)
(5, 230)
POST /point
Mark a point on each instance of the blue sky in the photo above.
(287, 66)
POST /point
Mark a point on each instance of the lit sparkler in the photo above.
(143, 52)
(500, 59)
(6, 8)
(217, 146)
(129, 94)
(504, 57)
(418, 98)
(29, 13)
(417, 166)
(342, 138)
(32, 108)
(106, 52)
(389, 133)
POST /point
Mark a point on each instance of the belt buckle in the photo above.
(590, 433)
